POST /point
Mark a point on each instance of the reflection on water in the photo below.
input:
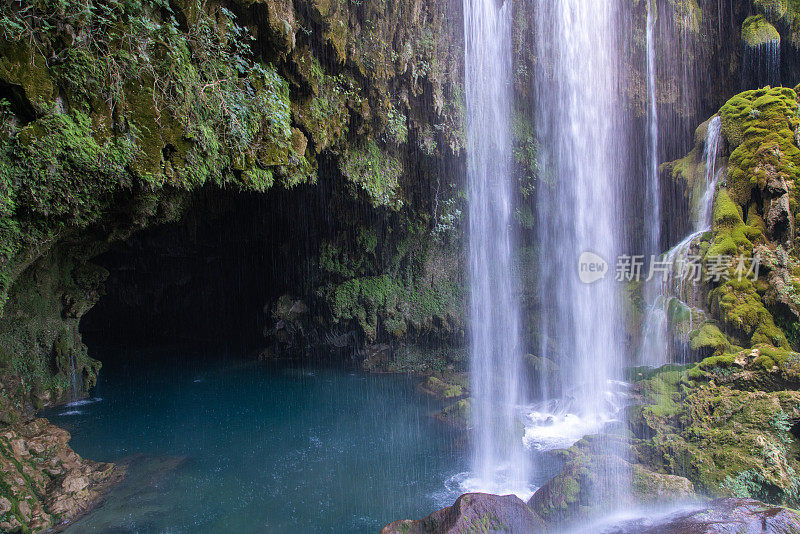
(219, 447)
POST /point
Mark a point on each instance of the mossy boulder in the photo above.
(458, 414)
(596, 469)
(759, 127)
(757, 31)
(441, 389)
(708, 340)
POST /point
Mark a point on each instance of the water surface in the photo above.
(221, 445)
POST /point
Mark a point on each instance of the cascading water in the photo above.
(583, 152)
(653, 193)
(499, 460)
(674, 291)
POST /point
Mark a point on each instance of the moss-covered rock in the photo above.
(472, 513)
(441, 389)
(757, 31)
(594, 475)
(458, 414)
(724, 426)
(43, 483)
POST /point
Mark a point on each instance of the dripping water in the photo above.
(499, 461)
(762, 65)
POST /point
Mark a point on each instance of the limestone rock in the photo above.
(47, 481)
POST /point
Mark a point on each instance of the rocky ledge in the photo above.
(43, 482)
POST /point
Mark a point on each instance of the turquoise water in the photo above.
(220, 445)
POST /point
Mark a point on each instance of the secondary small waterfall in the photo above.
(499, 460)
(674, 290)
(580, 128)
(73, 375)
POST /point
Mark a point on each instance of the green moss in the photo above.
(376, 171)
(663, 392)
(458, 414)
(759, 127)
(326, 115)
(179, 109)
(757, 31)
(722, 432)
(708, 339)
(442, 389)
(772, 8)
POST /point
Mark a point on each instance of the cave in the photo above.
(212, 277)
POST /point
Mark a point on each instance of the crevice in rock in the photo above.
(20, 106)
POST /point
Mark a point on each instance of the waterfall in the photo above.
(673, 289)
(578, 113)
(653, 194)
(500, 462)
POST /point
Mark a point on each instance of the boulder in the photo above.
(595, 478)
(474, 512)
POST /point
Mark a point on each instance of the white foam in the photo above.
(502, 483)
(549, 431)
(556, 424)
(83, 402)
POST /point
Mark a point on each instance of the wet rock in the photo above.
(474, 512)
(592, 481)
(726, 424)
(441, 389)
(721, 516)
(287, 337)
(377, 358)
(47, 482)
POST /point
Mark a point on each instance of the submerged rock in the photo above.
(474, 512)
(458, 414)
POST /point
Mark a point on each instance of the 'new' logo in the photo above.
(591, 268)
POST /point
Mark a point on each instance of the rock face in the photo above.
(42, 481)
(474, 512)
(729, 422)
